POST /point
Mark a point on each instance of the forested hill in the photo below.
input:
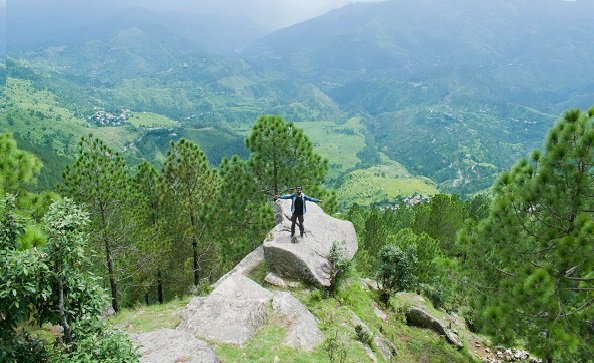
(539, 56)
(450, 91)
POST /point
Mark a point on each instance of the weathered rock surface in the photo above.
(232, 313)
(307, 260)
(418, 317)
(168, 345)
(302, 325)
(246, 266)
(384, 346)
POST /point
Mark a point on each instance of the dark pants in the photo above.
(294, 218)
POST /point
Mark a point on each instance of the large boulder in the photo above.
(418, 317)
(232, 313)
(307, 260)
(168, 345)
(302, 325)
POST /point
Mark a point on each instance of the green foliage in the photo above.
(335, 349)
(340, 266)
(282, 157)
(16, 166)
(397, 269)
(54, 286)
(98, 180)
(97, 343)
(363, 335)
(191, 187)
(440, 219)
(531, 254)
(13, 226)
(242, 216)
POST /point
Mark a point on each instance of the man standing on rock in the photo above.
(298, 208)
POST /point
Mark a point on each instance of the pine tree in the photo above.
(241, 216)
(98, 180)
(441, 218)
(192, 186)
(153, 246)
(16, 166)
(535, 251)
(282, 157)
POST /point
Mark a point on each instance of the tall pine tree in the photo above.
(282, 156)
(191, 185)
(98, 180)
(535, 250)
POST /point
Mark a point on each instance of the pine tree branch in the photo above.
(588, 303)
(500, 270)
(579, 278)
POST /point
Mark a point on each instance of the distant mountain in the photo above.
(539, 54)
(454, 91)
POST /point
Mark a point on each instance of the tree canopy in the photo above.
(536, 248)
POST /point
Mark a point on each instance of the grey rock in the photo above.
(239, 287)
(168, 345)
(302, 325)
(275, 280)
(246, 266)
(382, 344)
(307, 260)
(232, 313)
(418, 317)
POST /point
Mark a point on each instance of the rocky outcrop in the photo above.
(238, 307)
(232, 313)
(168, 345)
(246, 266)
(301, 324)
(307, 260)
(418, 317)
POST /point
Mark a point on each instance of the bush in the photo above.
(335, 347)
(397, 270)
(363, 335)
(339, 267)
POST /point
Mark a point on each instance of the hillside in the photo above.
(456, 101)
(337, 320)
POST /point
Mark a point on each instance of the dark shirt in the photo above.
(298, 205)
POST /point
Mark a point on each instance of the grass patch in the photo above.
(383, 182)
(338, 143)
(142, 318)
(149, 119)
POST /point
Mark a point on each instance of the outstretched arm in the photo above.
(315, 200)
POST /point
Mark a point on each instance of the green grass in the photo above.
(143, 318)
(336, 142)
(385, 181)
(149, 119)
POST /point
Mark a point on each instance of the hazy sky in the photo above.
(270, 13)
(28, 20)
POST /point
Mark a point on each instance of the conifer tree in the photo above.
(16, 166)
(282, 156)
(535, 250)
(153, 247)
(192, 186)
(441, 218)
(98, 180)
(241, 215)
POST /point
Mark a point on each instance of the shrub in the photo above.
(335, 348)
(397, 270)
(363, 335)
(339, 266)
